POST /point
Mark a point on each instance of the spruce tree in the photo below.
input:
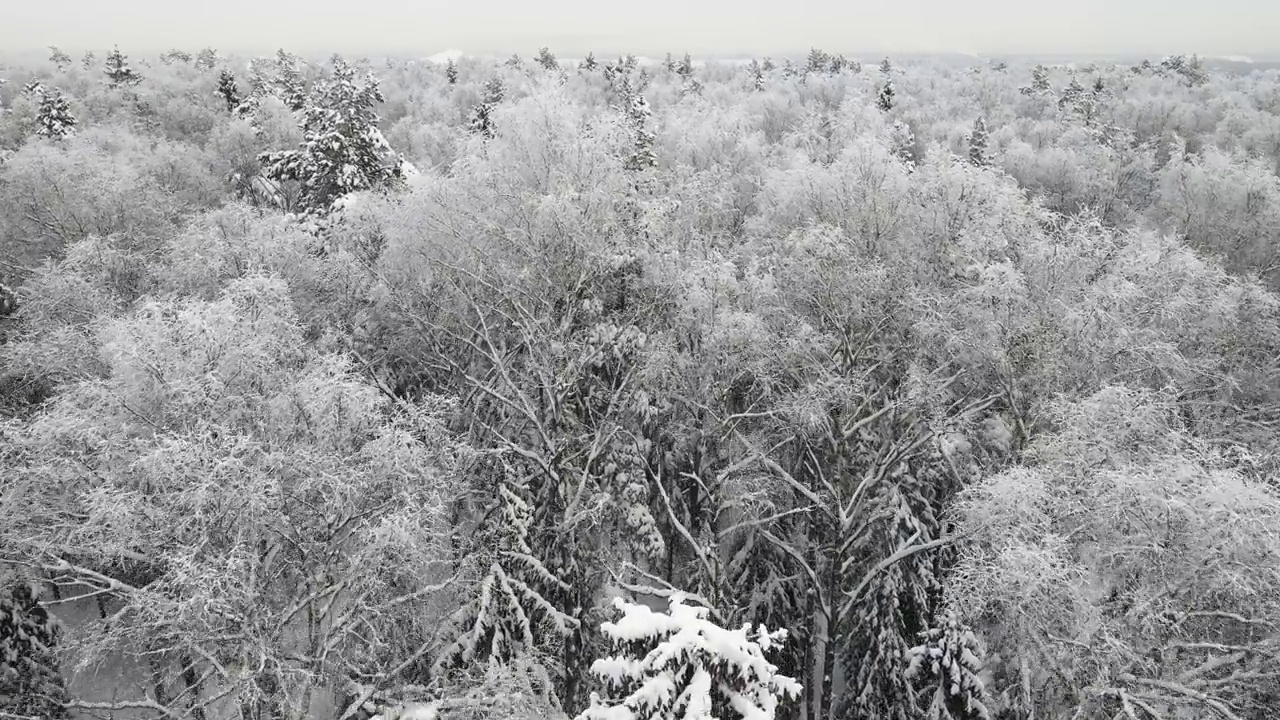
(978, 143)
(947, 664)
(342, 150)
(289, 84)
(679, 665)
(88, 60)
(228, 91)
(30, 682)
(1039, 82)
(481, 121)
(884, 99)
(53, 118)
(33, 90)
(589, 62)
(118, 71)
(59, 58)
(818, 61)
(886, 68)
(669, 63)
(451, 72)
(767, 65)
(514, 61)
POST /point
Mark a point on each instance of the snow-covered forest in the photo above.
(796, 389)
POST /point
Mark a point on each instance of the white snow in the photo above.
(445, 56)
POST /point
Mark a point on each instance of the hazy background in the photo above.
(703, 27)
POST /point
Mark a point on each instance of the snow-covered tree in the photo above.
(685, 67)
(481, 120)
(589, 63)
(343, 151)
(169, 57)
(288, 83)
(33, 90)
(88, 59)
(948, 664)
(547, 59)
(886, 68)
(757, 75)
(53, 116)
(207, 59)
(117, 70)
(977, 140)
(228, 91)
(30, 682)
(679, 665)
(59, 58)
(451, 72)
(884, 98)
(1039, 82)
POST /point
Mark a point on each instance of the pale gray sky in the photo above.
(570, 27)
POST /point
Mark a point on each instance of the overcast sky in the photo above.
(569, 27)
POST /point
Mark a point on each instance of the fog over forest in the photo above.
(457, 386)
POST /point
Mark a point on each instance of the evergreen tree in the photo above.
(947, 664)
(118, 71)
(88, 60)
(207, 59)
(589, 62)
(53, 117)
(669, 63)
(902, 142)
(1039, 82)
(978, 143)
(481, 121)
(228, 91)
(1071, 94)
(767, 65)
(679, 665)
(642, 156)
(30, 683)
(59, 58)
(175, 55)
(685, 68)
(514, 61)
(33, 90)
(757, 76)
(342, 150)
(886, 68)
(818, 61)
(884, 99)
(288, 82)
(451, 72)
(547, 60)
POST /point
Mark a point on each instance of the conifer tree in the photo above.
(53, 117)
(1039, 82)
(679, 665)
(886, 68)
(547, 60)
(207, 59)
(59, 58)
(589, 63)
(817, 62)
(902, 142)
(175, 55)
(342, 150)
(33, 90)
(767, 65)
(669, 63)
(228, 91)
(947, 663)
(118, 71)
(451, 72)
(289, 84)
(978, 143)
(757, 76)
(88, 60)
(30, 682)
(685, 68)
(514, 61)
(481, 121)
(884, 99)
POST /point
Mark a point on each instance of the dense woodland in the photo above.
(605, 389)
